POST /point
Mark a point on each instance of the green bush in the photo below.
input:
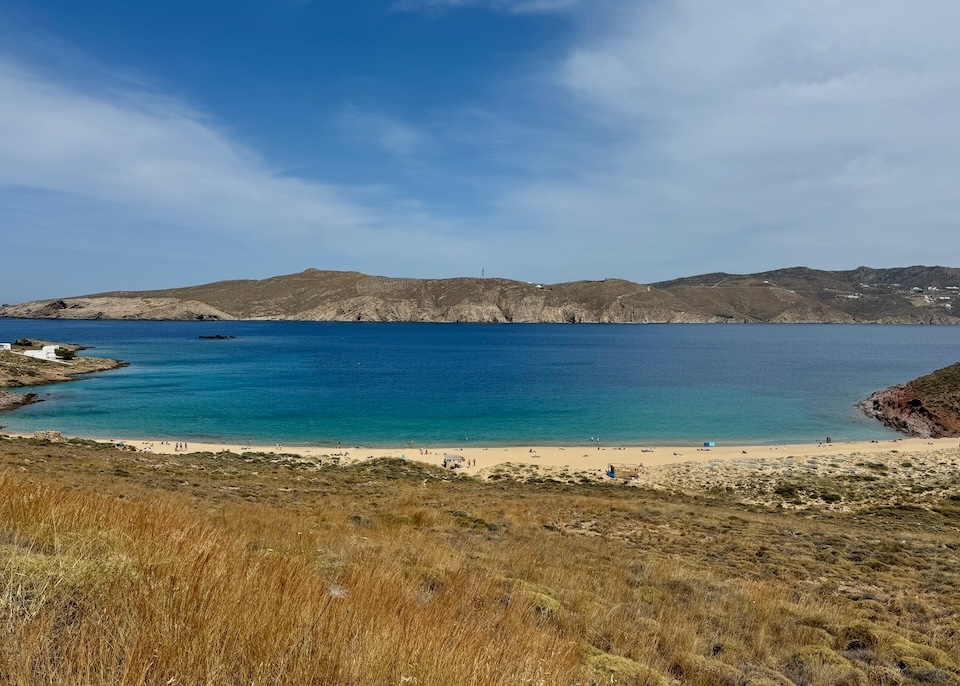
(64, 353)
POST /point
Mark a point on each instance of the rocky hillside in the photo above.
(928, 295)
(927, 407)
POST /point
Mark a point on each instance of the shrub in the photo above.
(64, 353)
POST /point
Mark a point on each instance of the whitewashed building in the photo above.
(4, 346)
(47, 352)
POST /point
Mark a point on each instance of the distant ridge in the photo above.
(909, 295)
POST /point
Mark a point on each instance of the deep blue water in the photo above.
(386, 384)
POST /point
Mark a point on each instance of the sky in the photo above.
(154, 145)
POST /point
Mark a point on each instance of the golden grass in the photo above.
(129, 568)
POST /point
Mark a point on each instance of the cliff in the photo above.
(926, 295)
(928, 407)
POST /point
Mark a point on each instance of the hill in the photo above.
(928, 406)
(924, 295)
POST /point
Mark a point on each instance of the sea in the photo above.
(319, 383)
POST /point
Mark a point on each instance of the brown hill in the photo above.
(908, 295)
(927, 407)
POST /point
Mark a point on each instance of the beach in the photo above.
(582, 458)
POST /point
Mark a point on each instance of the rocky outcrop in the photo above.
(115, 307)
(928, 407)
(922, 295)
(11, 401)
(17, 371)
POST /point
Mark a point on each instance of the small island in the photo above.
(928, 407)
(216, 337)
(33, 362)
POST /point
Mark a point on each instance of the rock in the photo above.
(11, 401)
(928, 407)
(52, 436)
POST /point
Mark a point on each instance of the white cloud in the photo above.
(115, 163)
(764, 134)
(150, 152)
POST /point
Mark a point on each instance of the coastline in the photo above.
(19, 371)
(573, 457)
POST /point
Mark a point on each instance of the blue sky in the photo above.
(166, 144)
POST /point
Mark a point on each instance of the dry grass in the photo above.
(201, 569)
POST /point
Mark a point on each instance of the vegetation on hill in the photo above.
(134, 568)
(908, 295)
(928, 406)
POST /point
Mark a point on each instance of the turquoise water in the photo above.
(386, 384)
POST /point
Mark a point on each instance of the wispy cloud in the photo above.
(376, 128)
(118, 161)
(140, 149)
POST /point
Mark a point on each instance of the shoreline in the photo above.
(20, 371)
(574, 457)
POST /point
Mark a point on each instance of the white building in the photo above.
(4, 346)
(47, 352)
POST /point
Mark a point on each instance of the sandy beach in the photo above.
(572, 457)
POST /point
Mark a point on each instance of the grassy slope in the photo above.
(135, 568)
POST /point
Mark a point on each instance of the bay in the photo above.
(387, 384)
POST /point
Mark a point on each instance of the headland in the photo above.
(927, 407)
(33, 362)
